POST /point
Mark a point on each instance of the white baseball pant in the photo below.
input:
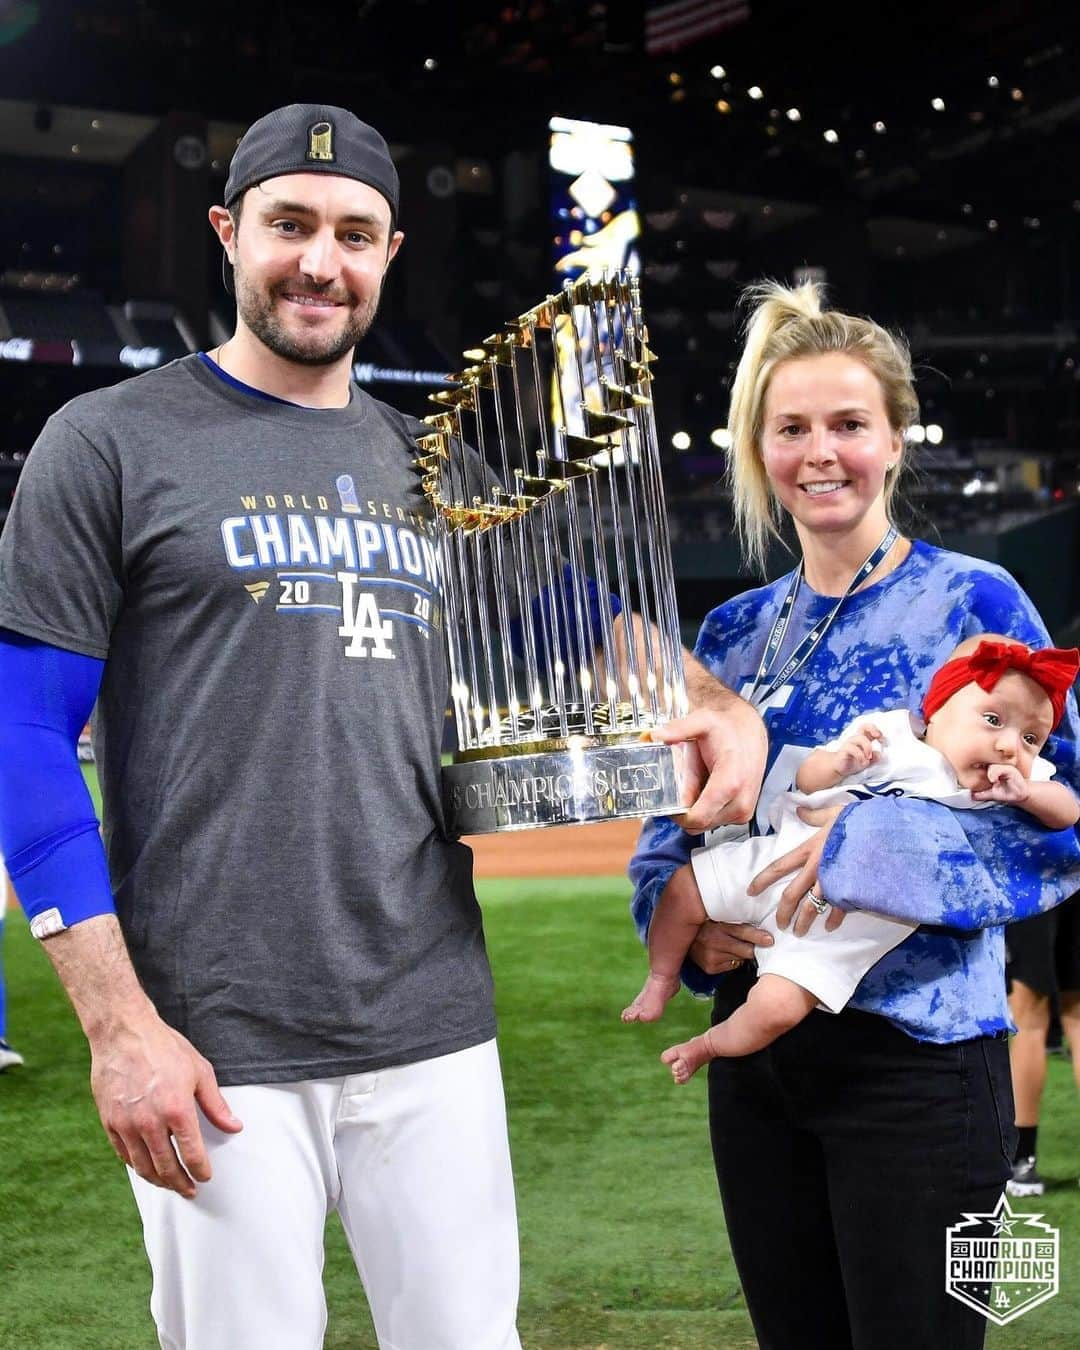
(417, 1163)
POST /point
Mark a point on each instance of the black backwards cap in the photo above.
(312, 138)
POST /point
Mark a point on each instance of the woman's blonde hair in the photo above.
(786, 323)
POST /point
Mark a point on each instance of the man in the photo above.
(215, 552)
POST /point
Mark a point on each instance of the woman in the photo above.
(845, 1150)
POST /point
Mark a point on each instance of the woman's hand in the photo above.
(719, 948)
(723, 947)
(795, 901)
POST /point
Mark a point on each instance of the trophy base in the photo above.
(569, 782)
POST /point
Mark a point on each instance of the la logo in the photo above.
(362, 623)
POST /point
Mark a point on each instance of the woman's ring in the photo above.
(819, 903)
(736, 961)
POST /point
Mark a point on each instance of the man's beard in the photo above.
(257, 310)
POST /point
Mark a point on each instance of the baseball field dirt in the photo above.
(561, 851)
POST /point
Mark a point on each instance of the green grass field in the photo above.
(623, 1244)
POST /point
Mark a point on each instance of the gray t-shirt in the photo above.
(262, 582)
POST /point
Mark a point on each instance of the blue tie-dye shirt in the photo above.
(963, 873)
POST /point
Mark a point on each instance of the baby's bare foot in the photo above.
(685, 1060)
(656, 993)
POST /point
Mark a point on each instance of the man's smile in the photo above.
(311, 301)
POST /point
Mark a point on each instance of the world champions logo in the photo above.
(1002, 1264)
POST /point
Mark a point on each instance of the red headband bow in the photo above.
(1053, 670)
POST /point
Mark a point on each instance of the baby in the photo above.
(987, 714)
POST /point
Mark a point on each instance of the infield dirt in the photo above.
(560, 851)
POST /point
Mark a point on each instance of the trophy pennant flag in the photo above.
(552, 534)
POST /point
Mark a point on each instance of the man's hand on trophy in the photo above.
(724, 750)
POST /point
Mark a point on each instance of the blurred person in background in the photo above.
(9, 1056)
(1043, 960)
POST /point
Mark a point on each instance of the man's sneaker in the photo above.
(8, 1057)
(1025, 1180)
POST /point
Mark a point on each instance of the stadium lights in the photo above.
(794, 115)
(721, 438)
(831, 136)
(681, 440)
(938, 104)
(934, 434)
(916, 434)
(756, 92)
(718, 72)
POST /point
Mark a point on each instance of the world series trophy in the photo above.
(553, 697)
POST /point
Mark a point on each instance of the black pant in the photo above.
(844, 1152)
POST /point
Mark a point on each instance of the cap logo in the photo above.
(321, 142)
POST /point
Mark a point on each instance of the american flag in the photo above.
(672, 26)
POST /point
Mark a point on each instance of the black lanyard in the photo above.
(805, 649)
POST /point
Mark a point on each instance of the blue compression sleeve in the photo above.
(48, 829)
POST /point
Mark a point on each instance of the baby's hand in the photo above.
(1007, 784)
(860, 750)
